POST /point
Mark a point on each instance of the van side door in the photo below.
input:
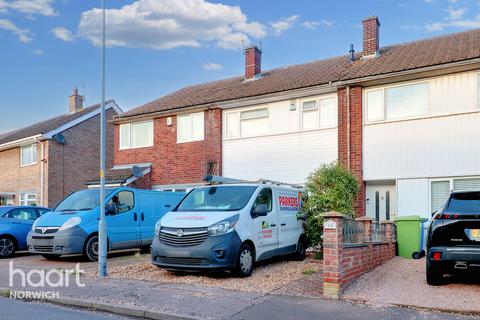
(123, 225)
(153, 206)
(265, 228)
(290, 227)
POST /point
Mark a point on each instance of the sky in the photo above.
(48, 47)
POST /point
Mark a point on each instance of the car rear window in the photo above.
(464, 203)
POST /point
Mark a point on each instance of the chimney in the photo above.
(371, 44)
(253, 62)
(75, 101)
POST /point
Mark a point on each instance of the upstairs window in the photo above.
(254, 122)
(136, 135)
(320, 113)
(397, 102)
(28, 155)
(190, 127)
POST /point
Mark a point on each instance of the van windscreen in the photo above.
(82, 200)
(217, 198)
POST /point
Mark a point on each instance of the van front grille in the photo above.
(183, 237)
(43, 248)
(183, 261)
(46, 230)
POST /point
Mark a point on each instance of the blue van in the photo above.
(72, 227)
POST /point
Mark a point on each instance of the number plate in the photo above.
(475, 234)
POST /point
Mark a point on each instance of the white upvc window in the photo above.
(28, 199)
(397, 102)
(254, 122)
(320, 113)
(28, 155)
(136, 135)
(440, 189)
(190, 127)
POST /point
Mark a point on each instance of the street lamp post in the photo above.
(102, 225)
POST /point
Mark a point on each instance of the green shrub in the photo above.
(329, 188)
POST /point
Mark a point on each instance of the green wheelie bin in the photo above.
(410, 234)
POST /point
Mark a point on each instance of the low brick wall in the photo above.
(352, 249)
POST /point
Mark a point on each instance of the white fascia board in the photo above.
(81, 119)
(20, 142)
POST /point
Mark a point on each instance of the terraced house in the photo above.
(403, 118)
(42, 163)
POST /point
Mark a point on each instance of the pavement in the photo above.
(154, 300)
(13, 309)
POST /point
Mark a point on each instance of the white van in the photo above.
(230, 226)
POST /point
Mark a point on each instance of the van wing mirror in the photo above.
(434, 213)
(260, 210)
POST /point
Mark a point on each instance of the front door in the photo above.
(123, 226)
(266, 227)
(381, 202)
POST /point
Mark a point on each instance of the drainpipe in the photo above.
(42, 169)
(348, 129)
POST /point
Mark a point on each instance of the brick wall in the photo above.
(343, 262)
(350, 143)
(70, 165)
(371, 41)
(16, 179)
(253, 62)
(177, 163)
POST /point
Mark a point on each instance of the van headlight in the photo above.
(72, 222)
(223, 227)
(158, 226)
(34, 225)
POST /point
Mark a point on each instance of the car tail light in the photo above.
(453, 216)
(437, 256)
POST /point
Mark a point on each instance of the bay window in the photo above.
(136, 135)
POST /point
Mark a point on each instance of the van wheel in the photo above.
(90, 252)
(434, 275)
(51, 256)
(245, 261)
(7, 247)
(301, 252)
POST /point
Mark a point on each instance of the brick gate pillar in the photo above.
(332, 254)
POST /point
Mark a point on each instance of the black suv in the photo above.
(454, 236)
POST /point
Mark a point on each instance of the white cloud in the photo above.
(312, 25)
(24, 35)
(63, 34)
(29, 7)
(454, 19)
(38, 51)
(168, 24)
(212, 66)
(284, 24)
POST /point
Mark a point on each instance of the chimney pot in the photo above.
(253, 62)
(371, 41)
(75, 101)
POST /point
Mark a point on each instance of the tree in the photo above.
(329, 188)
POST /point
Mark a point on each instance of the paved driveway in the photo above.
(402, 282)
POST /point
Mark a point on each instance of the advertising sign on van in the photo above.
(289, 203)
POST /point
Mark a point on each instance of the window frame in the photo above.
(318, 112)
(191, 117)
(130, 125)
(24, 199)
(451, 181)
(271, 203)
(384, 89)
(116, 194)
(243, 120)
(33, 161)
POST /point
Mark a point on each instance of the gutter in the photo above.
(20, 142)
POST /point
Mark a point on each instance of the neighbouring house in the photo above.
(42, 163)
(401, 118)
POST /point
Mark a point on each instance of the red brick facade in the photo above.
(350, 138)
(177, 163)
